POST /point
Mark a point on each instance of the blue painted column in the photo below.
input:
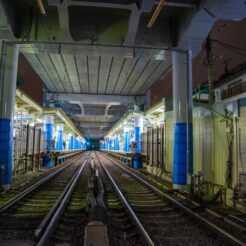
(73, 142)
(138, 129)
(48, 138)
(182, 108)
(126, 147)
(76, 143)
(8, 76)
(70, 142)
(117, 144)
(113, 143)
(109, 144)
(59, 136)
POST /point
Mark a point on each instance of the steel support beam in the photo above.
(95, 99)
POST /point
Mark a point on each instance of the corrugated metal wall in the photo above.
(169, 142)
(210, 145)
(242, 140)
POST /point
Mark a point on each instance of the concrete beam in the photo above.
(197, 23)
(95, 124)
(6, 23)
(95, 99)
(98, 4)
(64, 22)
(93, 118)
(179, 4)
(146, 4)
(133, 25)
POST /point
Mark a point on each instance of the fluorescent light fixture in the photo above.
(160, 56)
(41, 7)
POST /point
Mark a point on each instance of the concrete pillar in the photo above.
(59, 136)
(110, 144)
(48, 138)
(106, 144)
(182, 106)
(70, 141)
(113, 143)
(117, 144)
(8, 76)
(76, 143)
(126, 139)
(138, 129)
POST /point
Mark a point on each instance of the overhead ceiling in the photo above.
(104, 48)
(115, 67)
(96, 74)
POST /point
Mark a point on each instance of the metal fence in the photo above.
(153, 146)
(28, 144)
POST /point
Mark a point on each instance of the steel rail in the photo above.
(55, 213)
(26, 192)
(226, 235)
(42, 226)
(128, 207)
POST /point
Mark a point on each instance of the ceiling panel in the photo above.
(82, 65)
(94, 65)
(105, 70)
(61, 71)
(148, 71)
(71, 67)
(45, 61)
(134, 76)
(128, 66)
(114, 74)
(33, 60)
(160, 70)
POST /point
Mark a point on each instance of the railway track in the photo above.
(228, 219)
(121, 228)
(25, 217)
(137, 212)
(164, 220)
(5, 196)
(68, 227)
